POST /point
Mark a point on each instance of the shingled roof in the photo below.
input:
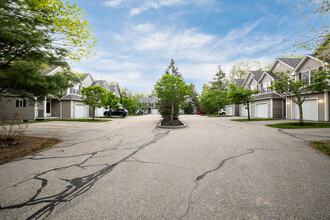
(239, 82)
(256, 74)
(292, 62)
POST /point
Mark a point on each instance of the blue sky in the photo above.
(138, 38)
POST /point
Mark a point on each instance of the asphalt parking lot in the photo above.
(130, 169)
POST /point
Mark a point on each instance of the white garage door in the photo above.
(229, 110)
(262, 110)
(99, 112)
(309, 110)
(81, 111)
(154, 111)
(244, 111)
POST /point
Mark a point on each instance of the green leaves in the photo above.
(171, 91)
(95, 96)
(111, 101)
(212, 100)
(35, 34)
(129, 104)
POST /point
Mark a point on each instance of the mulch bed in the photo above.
(167, 122)
(23, 145)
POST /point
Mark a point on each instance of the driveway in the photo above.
(129, 169)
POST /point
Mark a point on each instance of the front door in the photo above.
(48, 109)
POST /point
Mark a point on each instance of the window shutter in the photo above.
(24, 103)
(17, 103)
(271, 83)
(299, 76)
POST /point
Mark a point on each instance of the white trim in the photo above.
(326, 106)
(271, 108)
(285, 63)
(262, 76)
(45, 107)
(53, 71)
(71, 112)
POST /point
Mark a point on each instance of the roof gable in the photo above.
(303, 60)
(269, 73)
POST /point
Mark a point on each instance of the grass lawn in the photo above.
(295, 125)
(23, 145)
(257, 119)
(323, 146)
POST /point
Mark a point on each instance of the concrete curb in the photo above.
(171, 127)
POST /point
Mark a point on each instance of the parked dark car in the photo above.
(118, 112)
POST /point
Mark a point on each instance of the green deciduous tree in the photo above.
(129, 104)
(111, 101)
(298, 91)
(188, 107)
(35, 34)
(25, 80)
(95, 96)
(241, 95)
(213, 99)
(171, 91)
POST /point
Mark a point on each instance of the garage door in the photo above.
(99, 112)
(309, 110)
(81, 111)
(244, 111)
(262, 110)
(154, 111)
(229, 110)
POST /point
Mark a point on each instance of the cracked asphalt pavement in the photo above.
(129, 169)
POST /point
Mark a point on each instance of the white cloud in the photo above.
(144, 27)
(113, 3)
(133, 75)
(146, 5)
(146, 49)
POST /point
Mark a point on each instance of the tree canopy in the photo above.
(39, 34)
(95, 96)
(299, 90)
(111, 101)
(171, 91)
(241, 95)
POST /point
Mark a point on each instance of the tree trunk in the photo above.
(248, 108)
(172, 113)
(93, 113)
(301, 119)
(110, 112)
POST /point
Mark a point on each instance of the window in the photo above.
(305, 77)
(312, 75)
(20, 103)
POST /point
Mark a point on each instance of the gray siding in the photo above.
(8, 110)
